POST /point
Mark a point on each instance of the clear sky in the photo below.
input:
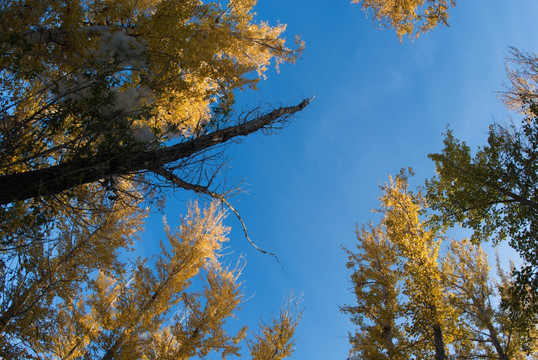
(380, 105)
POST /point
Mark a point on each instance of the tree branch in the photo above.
(168, 175)
(75, 172)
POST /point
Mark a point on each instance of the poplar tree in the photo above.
(96, 90)
(401, 312)
(414, 303)
(104, 106)
(74, 308)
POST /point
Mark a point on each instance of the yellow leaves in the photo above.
(408, 17)
(275, 340)
(76, 76)
(123, 310)
(438, 305)
(199, 238)
(397, 280)
(522, 72)
(188, 109)
(85, 81)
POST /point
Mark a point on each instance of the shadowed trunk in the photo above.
(439, 343)
(67, 175)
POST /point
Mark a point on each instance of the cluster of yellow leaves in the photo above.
(81, 305)
(275, 340)
(408, 17)
(522, 72)
(83, 76)
(47, 263)
(122, 313)
(375, 278)
(411, 303)
(419, 247)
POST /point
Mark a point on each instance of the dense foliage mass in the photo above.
(413, 303)
(102, 104)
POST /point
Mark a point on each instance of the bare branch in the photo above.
(204, 190)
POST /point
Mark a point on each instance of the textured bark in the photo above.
(67, 175)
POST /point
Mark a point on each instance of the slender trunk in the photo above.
(496, 343)
(439, 343)
(67, 175)
(493, 334)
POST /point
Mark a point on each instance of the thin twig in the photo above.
(204, 190)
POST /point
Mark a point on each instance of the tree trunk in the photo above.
(439, 343)
(67, 175)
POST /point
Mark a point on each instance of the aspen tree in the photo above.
(103, 105)
(416, 313)
(95, 90)
(414, 303)
(143, 309)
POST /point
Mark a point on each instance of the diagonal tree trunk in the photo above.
(67, 175)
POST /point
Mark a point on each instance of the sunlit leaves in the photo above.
(91, 77)
(84, 84)
(173, 307)
(413, 302)
(275, 340)
(397, 282)
(408, 17)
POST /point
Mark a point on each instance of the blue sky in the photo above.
(380, 105)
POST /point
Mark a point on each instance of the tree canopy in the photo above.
(99, 89)
(103, 104)
(494, 191)
(414, 303)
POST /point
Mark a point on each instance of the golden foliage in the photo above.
(89, 77)
(408, 17)
(275, 340)
(412, 303)
(137, 310)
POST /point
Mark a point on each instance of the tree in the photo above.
(135, 310)
(493, 331)
(397, 283)
(408, 17)
(275, 340)
(494, 192)
(102, 89)
(375, 281)
(414, 304)
(103, 106)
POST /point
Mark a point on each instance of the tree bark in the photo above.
(64, 176)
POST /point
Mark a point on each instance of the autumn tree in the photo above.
(397, 283)
(408, 17)
(132, 310)
(275, 340)
(492, 332)
(104, 89)
(103, 105)
(375, 280)
(413, 303)
(493, 191)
